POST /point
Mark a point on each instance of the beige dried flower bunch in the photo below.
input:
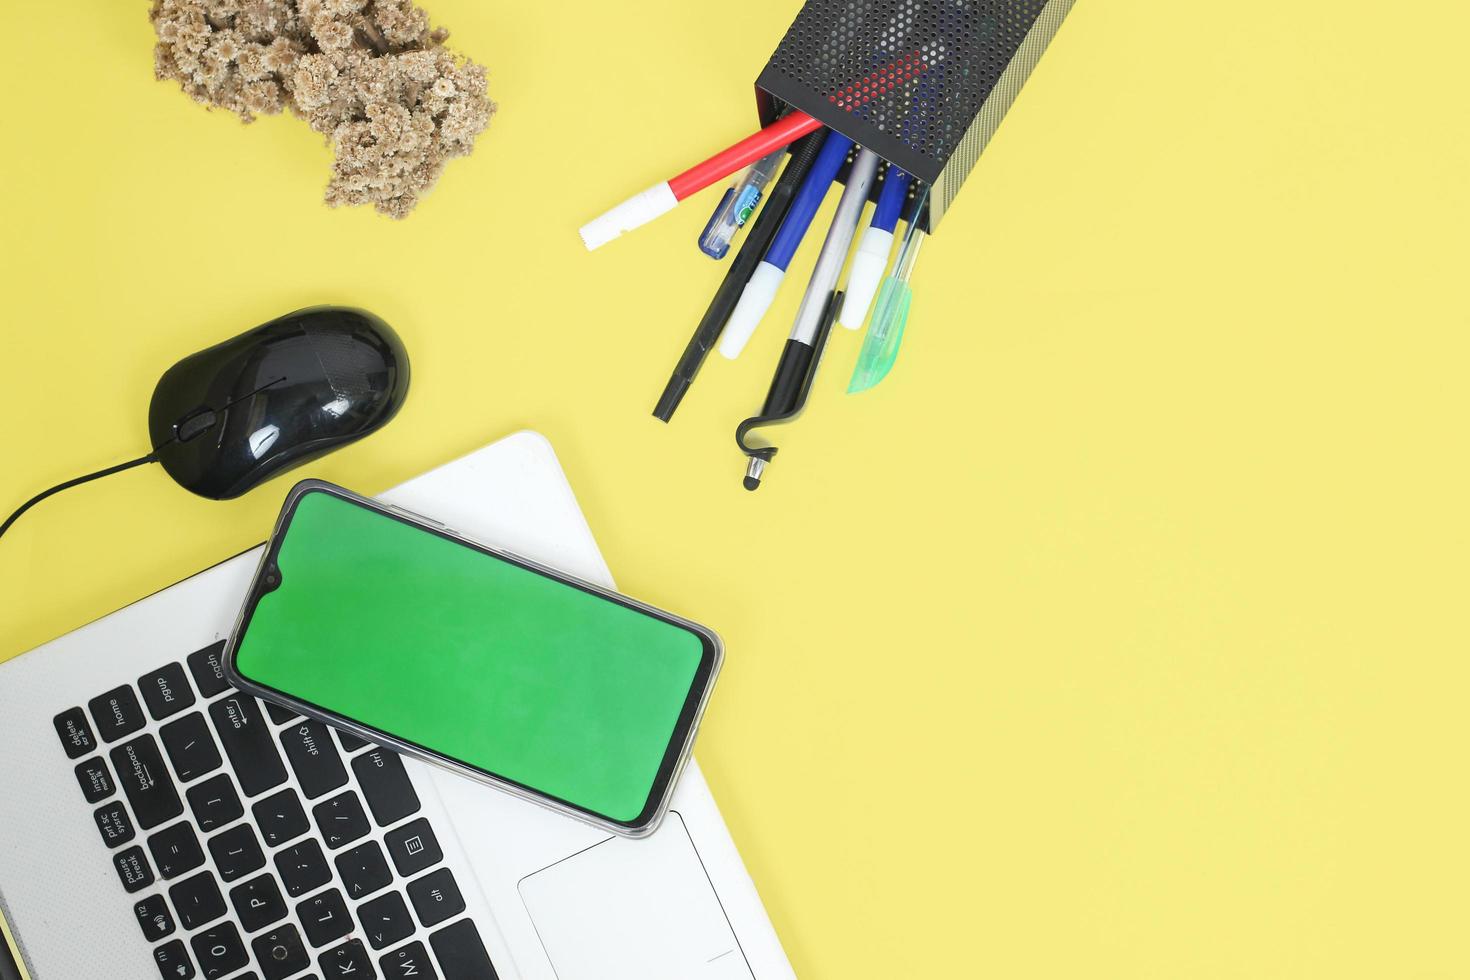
(370, 75)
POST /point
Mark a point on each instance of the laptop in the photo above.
(155, 823)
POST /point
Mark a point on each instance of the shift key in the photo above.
(313, 754)
(248, 743)
(145, 780)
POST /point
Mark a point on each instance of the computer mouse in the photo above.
(229, 417)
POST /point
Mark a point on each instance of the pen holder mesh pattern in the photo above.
(923, 83)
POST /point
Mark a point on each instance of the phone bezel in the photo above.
(681, 741)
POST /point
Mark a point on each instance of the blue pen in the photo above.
(760, 292)
(738, 204)
(871, 257)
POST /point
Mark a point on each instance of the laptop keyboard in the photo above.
(259, 845)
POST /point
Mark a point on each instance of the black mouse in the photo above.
(227, 418)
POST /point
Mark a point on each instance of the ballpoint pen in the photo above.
(664, 196)
(871, 257)
(890, 315)
(707, 334)
(819, 305)
(760, 292)
(737, 205)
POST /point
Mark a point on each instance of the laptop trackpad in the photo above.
(634, 910)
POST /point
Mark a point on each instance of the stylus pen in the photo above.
(707, 333)
(871, 257)
(662, 197)
(819, 306)
(765, 281)
(790, 389)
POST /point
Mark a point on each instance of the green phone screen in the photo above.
(473, 657)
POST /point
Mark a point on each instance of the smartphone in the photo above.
(396, 628)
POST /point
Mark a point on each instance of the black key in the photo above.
(278, 714)
(166, 691)
(116, 713)
(303, 867)
(364, 870)
(413, 847)
(436, 897)
(280, 953)
(350, 743)
(385, 784)
(280, 817)
(215, 803)
(154, 918)
(385, 920)
(208, 669)
(324, 917)
(173, 961)
(132, 869)
(341, 819)
(411, 961)
(197, 900)
(145, 780)
(348, 960)
(175, 850)
(95, 780)
(313, 758)
(219, 951)
(190, 746)
(236, 852)
(258, 902)
(462, 953)
(76, 735)
(114, 825)
(248, 743)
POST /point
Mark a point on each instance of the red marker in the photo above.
(661, 198)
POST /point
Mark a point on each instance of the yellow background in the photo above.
(1120, 633)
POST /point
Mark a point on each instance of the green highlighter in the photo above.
(891, 311)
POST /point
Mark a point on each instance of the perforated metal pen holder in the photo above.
(923, 83)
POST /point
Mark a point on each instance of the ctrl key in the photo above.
(173, 961)
(132, 869)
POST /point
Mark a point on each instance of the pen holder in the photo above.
(922, 83)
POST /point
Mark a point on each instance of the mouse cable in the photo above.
(150, 458)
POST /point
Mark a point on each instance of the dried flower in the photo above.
(371, 77)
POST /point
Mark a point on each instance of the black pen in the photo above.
(707, 334)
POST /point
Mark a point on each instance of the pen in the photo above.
(835, 248)
(661, 198)
(760, 292)
(891, 312)
(871, 257)
(738, 204)
(790, 389)
(819, 306)
(707, 333)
